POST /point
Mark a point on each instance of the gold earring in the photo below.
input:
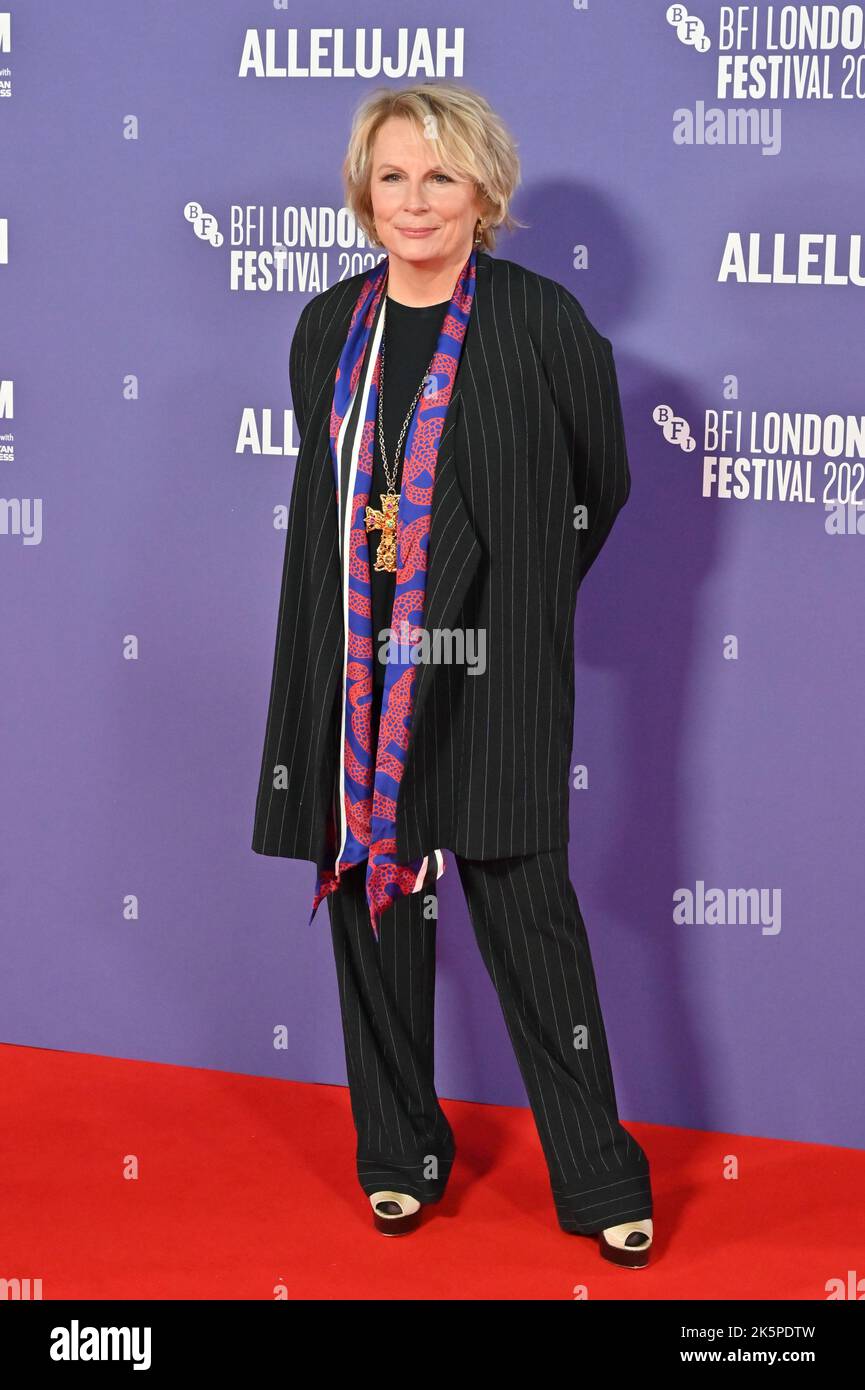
(478, 230)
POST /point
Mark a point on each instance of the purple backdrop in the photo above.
(720, 646)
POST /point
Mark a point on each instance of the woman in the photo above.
(462, 460)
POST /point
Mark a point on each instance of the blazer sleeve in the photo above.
(586, 390)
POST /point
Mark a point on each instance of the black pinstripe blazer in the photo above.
(533, 431)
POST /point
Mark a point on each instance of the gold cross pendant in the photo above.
(385, 521)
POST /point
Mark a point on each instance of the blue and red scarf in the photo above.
(367, 793)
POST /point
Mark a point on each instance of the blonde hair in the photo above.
(466, 133)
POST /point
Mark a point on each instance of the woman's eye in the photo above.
(394, 175)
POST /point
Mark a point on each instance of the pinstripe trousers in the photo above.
(531, 934)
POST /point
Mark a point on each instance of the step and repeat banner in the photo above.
(170, 198)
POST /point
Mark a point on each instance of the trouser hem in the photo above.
(377, 1176)
(594, 1209)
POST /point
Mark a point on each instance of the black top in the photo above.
(411, 335)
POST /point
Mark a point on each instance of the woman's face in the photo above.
(411, 191)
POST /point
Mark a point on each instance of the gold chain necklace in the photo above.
(385, 520)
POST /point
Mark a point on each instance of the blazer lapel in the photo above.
(328, 598)
(454, 549)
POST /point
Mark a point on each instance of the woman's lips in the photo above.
(416, 231)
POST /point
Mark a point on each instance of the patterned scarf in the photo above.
(367, 793)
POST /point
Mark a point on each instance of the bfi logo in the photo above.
(5, 31)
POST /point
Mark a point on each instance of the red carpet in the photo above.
(246, 1184)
